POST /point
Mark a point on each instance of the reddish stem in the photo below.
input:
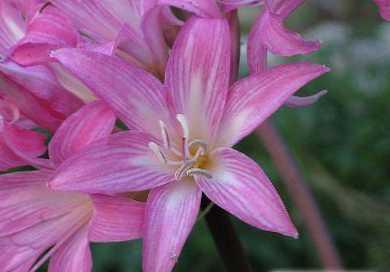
(300, 194)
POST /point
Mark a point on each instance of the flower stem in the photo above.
(226, 240)
(300, 194)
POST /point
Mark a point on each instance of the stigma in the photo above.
(189, 159)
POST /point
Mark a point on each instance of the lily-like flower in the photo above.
(17, 144)
(134, 30)
(34, 90)
(180, 138)
(384, 8)
(268, 34)
(34, 218)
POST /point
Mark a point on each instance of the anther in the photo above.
(198, 171)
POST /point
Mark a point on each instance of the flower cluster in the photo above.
(143, 106)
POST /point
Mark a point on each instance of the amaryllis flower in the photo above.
(17, 144)
(384, 8)
(180, 138)
(268, 34)
(133, 30)
(35, 90)
(34, 218)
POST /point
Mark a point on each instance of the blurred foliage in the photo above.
(342, 144)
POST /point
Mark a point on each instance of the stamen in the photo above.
(156, 150)
(186, 134)
(202, 144)
(183, 169)
(184, 125)
(198, 171)
(165, 135)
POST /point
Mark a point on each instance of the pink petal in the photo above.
(47, 31)
(27, 142)
(8, 158)
(135, 96)
(171, 212)
(123, 164)
(304, 101)
(269, 34)
(240, 186)
(280, 40)
(116, 219)
(197, 74)
(12, 27)
(135, 49)
(92, 122)
(26, 201)
(29, 106)
(154, 37)
(384, 8)
(203, 8)
(42, 83)
(74, 255)
(254, 99)
(20, 146)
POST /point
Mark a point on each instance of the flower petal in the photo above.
(26, 145)
(304, 101)
(116, 219)
(384, 8)
(123, 164)
(254, 99)
(42, 83)
(197, 74)
(171, 212)
(239, 186)
(12, 27)
(29, 106)
(48, 30)
(202, 8)
(134, 95)
(74, 255)
(92, 122)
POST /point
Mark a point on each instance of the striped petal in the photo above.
(116, 219)
(48, 30)
(92, 122)
(203, 8)
(27, 145)
(239, 186)
(42, 83)
(134, 95)
(197, 74)
(254, 99)
(171, 212)
(123, 164)
(74, 255)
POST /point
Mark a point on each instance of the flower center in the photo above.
(190, 159)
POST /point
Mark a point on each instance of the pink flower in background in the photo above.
(34, 90)
(181, 136)
(17, 144)
(384, 8)
(34, 219)
(134, 30)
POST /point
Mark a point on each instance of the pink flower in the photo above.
(34, 218)
(384, 8)
(181, 135)
(133, 30)
(18, 145)
(267, 34)
(34, 90)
